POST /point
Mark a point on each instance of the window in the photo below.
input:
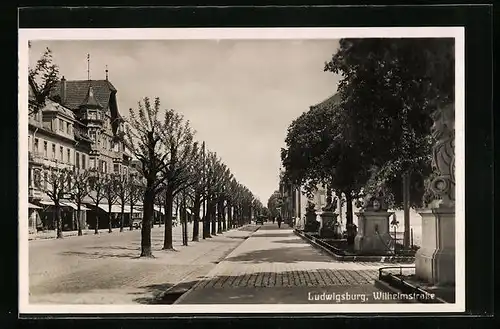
(35, 148)
(61, 153)
(45, 179)
(37, 178)
(92, 163)
(45, 149)
(104, 167)
(29, 142)
(83, 161)
(68, 129)
(61, 125)
(53, 151)
(77, 160)
(116, 168)
(69, 156)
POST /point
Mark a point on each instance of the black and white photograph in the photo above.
(241, 170)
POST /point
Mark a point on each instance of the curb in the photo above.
(190, 290)
(361, 258)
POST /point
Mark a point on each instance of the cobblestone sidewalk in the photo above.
(276, 266)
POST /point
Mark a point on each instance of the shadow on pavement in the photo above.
(101, 255)
(165, 293)
(293, 241)
(279, 255)
(260, 234)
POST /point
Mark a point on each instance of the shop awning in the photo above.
(47, 203)
(32, 206)
(161, 210)
(114, 208)
(188, 211)
(136, 210)
(74, 206)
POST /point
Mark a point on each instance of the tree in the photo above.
(80, 189)
(319, 151)
(389, 90)
(56, 184)
(273, 203)
(181, 153)
(110, 186)
(122, 193)
(97, 192)
(197, 191)
(44, 77)
(143, 137)
(135, 190)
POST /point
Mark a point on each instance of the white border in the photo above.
(242, 33)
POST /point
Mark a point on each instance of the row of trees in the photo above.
(175, 169)
(76, 185)
(174, 165)
(373, 136)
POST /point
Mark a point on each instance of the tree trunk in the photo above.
(110, 218)
(196, 219)
(351, 233)
(219, 217)
(122, 216)
(79, 219)
(213, 228)
(130, 218)
(96, 229)
(406, 207)
(169, 200)
(59, 221)
(149, 196)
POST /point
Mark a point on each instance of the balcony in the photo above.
(93, 117)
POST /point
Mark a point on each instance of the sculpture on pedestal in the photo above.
(435, 260)
(329, 225)
(311, 224)
(443, 155)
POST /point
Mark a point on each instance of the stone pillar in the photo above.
(311, 224)
(329, 226)
(373, 235)
(435, 260)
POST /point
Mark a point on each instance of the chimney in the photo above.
(63, 90)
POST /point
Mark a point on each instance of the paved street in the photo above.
(106, 269)
(276, 266)
(251, 265)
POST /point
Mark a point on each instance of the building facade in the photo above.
(78, 127)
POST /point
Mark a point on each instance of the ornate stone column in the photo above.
(435, 260)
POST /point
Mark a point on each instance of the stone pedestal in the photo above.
(311, 224)
(373, 235)
(435, 260)
(329, 227)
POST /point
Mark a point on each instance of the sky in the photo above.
(239, 95)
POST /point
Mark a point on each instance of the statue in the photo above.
(443, 154)
(330, 206)
(374, 203)
(311, 224)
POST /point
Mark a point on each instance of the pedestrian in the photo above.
(274, 219)
(279, 221)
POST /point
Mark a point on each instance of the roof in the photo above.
(56, 107)
(330, 101)
(77, 92)
(31, 90)
(90, 100)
